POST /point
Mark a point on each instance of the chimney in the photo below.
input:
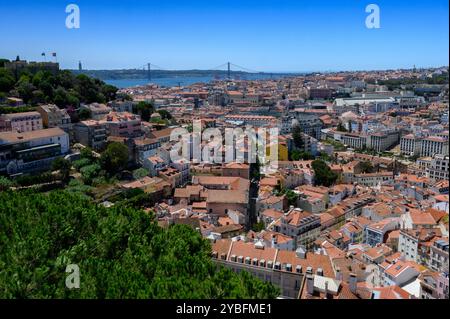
(274, 241)
(326, 290)
(300, 252)
(310, 284)
(352, 282)
(338, 273)
(319, 271)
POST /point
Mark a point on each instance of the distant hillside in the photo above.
(143, 74)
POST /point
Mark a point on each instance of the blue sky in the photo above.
(275, 35)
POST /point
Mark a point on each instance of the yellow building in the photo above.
(283, 154)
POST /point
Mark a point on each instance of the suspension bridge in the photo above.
(226, 68)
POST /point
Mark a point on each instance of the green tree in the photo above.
(120, 251)
(84, 114)
(297, 135)
(257, 227)
(5, 183)
(114, 158)
(86, 153)
(255, 169)
(63, 166)
(144, 110)
(323, 175)
(25, 89)
(367, 167)
(109, 91)
(82, 162)
(140, 172)
(165, 115)
(301, 155)
(2, 62)
(37, 97)
(295, 155)
(6, 80)
(291, 197)
(90, 172)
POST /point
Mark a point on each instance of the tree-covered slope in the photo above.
(121, 253)
(62, 88)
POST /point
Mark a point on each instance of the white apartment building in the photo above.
(374, 179)
(433, 145)
(410, 145)
(253, 120)
(428, 146)
(438, 168)
(354, 140)
(21, 122)
(408, 245)
(31, 151)
(382, 141)
(398, 274)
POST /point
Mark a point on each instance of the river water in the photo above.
(183, 80)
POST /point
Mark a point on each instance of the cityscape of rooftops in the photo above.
(224, 150)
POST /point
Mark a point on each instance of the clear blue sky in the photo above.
(275, 35)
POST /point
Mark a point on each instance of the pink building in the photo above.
(123, 124)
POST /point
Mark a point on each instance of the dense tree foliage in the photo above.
(323, 175)
(29, 180)
(84, 114)
(291, 196)
(6, 80)
(393, 84)
(165, 115)
(120, 251)
(16, 109)
(144, 109)
(367, 167)
(5, 183)
(297, 135)
(63, 88)
(63, 166)
(297, 155)
(90, 172)
(140, 173)
(114, 158)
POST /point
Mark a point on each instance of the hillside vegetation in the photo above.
(121, 253)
